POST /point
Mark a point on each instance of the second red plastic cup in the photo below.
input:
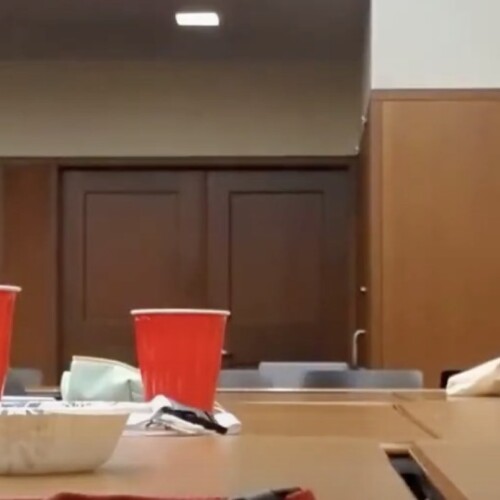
(179, 353)
(8, 296)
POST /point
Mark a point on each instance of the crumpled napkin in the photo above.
(103, 384)
(482, 380)
(97, 379)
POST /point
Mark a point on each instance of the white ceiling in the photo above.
(145, 29)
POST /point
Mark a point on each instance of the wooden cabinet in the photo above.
(435, 242)
(279, 258)
(130, 239)
(272, 246)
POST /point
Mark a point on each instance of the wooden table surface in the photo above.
(300, 395)
(223, 466)
(381, 421)
(226, 396)
(462, 470)
(472, 419)
(328, 440)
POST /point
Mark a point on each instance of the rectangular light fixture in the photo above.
(197, 19)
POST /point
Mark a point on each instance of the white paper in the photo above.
(482, 380)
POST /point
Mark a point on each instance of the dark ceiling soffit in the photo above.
(189, 162)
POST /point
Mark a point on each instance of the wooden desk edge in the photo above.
(407, 395)
(435, 475)
(400, 393)
(393, 448)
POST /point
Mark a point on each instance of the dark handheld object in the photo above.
(197, 417)
(288, 494)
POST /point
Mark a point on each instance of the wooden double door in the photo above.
(274, 247)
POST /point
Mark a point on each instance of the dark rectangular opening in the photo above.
(414, 476)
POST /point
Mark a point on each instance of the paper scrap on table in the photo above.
(482, 380)
(140, 418)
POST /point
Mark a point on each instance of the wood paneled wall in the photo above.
(431, 195)
(30, 260)
(32, 238)
(435, 164)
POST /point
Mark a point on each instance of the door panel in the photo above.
(439, 246)
(130, 239)
(361, 338)
(279, 258)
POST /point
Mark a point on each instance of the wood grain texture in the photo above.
(369, 237)
(361, 306)
(30, 260)
(280, 251)
(379, 421)
(229, 396)
(302, 395)
(460, 419)
(230, 466)
(440, 244)
(371, 191)
(461, 470)
(491, 94)
(130, 239)
(32, 256)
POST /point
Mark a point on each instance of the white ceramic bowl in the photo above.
(58, 442)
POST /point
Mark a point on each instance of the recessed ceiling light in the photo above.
(197, 19)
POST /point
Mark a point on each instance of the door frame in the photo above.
(50, 360)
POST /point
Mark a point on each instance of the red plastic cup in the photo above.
(179, 353)
(8, 296)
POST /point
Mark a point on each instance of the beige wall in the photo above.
(179, 109)
(435, 44)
